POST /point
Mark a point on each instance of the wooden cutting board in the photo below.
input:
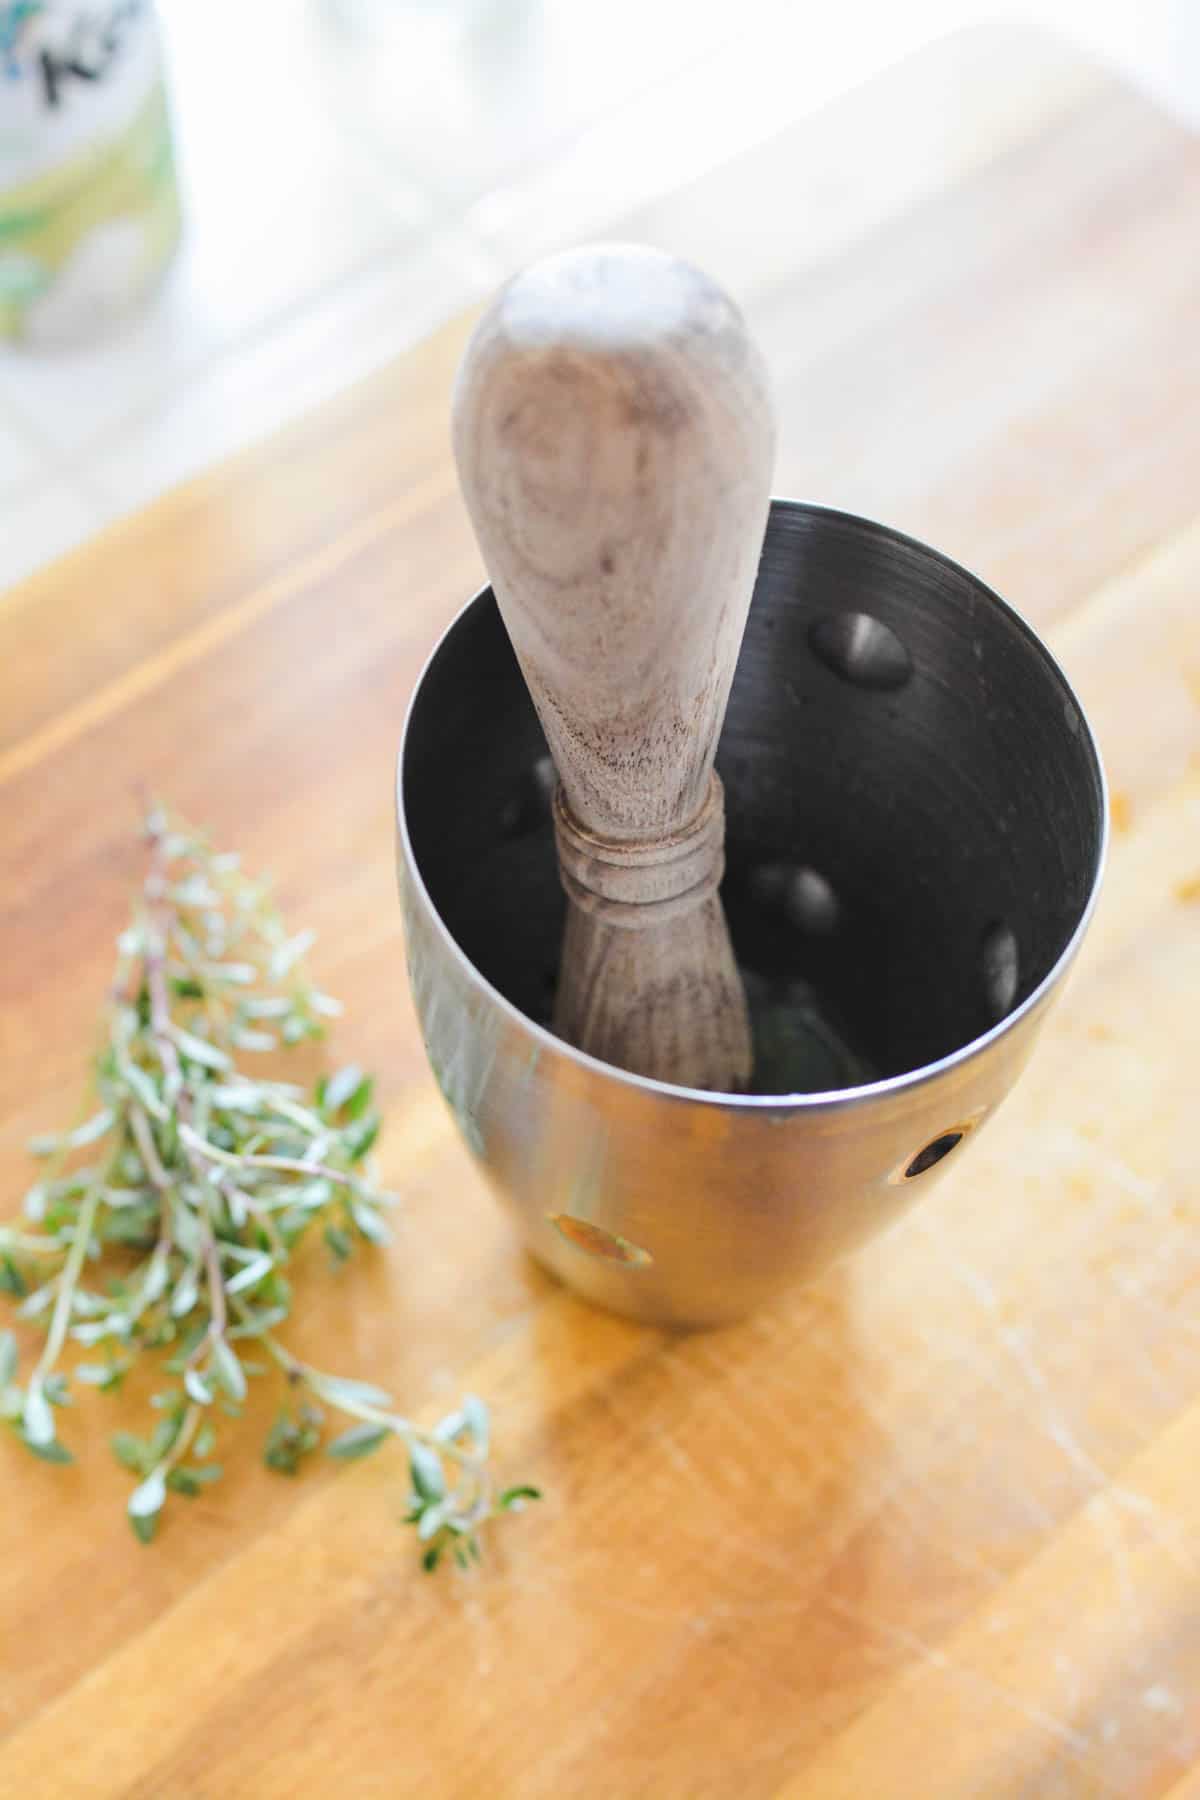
(931, 1527)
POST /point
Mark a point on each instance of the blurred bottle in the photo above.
(89, 205)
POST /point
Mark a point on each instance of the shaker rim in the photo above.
(828, 1099)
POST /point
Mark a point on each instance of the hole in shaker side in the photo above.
(933, 1153)
(860, 649)
(1001, 966)
(594, 1240)
(798, 893)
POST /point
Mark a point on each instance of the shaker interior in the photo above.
(914, 806)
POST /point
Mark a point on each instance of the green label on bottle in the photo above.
(89, 206)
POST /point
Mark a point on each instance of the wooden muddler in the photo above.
(614, 438)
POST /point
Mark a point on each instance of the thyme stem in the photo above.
(208, 1181)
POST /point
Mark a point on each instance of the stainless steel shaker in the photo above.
(917, 826)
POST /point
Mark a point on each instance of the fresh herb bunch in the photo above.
(182, 1198)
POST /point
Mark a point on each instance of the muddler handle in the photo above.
(614, 438)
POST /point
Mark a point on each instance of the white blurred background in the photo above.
(355, 171)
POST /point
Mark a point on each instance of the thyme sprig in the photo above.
(165, 1221)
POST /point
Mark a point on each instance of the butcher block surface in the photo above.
(928, 1528)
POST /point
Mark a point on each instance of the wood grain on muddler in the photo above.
(615, 439)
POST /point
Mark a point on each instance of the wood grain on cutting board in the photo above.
(929, 1527)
